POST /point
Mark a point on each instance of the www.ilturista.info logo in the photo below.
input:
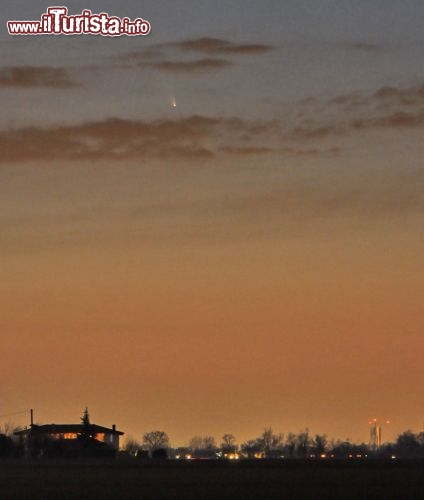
(57, 22)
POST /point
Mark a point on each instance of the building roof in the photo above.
(71, 428)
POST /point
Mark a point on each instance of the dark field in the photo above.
(212, 480)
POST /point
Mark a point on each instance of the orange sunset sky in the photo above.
(250, 258)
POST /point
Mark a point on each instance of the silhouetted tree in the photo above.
(85, 419)
(303, 443)
(266, 439)
(408, 445)
(9, 428)
(131, 446)
(203, 447)
(271, 444)
(87, 434)
(202, 443)
(319, 444)
(155, 440)
(290, 445)
(228, 443)
(252, 447)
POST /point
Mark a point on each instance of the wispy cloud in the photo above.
(387, 107)
(410, 96)
(35, 76)
(287, 151)
(191, 138)
(188, 66)
(400, 119)
(246, 151)
(218, 46)
(361, 46)
(162, 56)
(384, 96)
(315, 130)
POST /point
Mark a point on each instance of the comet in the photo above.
(173, 103)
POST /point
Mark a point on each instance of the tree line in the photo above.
(272, 445)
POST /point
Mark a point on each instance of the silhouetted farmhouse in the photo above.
(70, 440)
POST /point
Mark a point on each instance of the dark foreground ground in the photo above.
(258, 480)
